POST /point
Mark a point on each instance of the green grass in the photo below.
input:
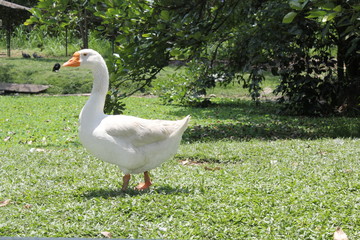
(39, 71)
(242, 172)
(76, 80)
(166, 81)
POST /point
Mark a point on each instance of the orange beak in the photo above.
(74, 61)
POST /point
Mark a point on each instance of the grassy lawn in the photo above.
(242, 172)
(39, 71)
(69, 81)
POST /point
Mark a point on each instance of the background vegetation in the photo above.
(168, 84)
(310, 45)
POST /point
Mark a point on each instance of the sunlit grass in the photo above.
(242, 172)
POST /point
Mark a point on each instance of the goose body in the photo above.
(134, 144)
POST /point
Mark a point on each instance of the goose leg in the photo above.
(145, 184)
(126, 180)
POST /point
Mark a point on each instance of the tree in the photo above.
(332, 81)
(228, 38)
(61, 15)
(314, 49)
(199, 32)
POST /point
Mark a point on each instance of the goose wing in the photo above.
(138, 131)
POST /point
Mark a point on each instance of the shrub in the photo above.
(5, 76)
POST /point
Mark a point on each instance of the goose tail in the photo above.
(183, 125)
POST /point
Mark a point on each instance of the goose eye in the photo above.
(85, 54)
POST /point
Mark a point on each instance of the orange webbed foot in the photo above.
(146, 184)
(143, 186)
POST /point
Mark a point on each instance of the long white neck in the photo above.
(94, 107)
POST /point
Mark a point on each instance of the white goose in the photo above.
(136, 145)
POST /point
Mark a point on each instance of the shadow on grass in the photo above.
(243, 120)
(170, 190)
(44, 59)
(111, 193)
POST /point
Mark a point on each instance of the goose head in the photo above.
(87, 58)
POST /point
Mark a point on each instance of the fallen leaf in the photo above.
(339, 234)
(32, 150)
(7, 138)
(188, 162)
(273, 162)
(5, 203)
(295, 164)
(212, 169)
(322, 153)
(185, 162)
(106, 234)
(27, 206)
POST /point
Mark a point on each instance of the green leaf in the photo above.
(288, 18)
(297, 5)
(36, 12)
(146, 35)
(196, 35)
(180, 34)
(356, 7)
(175, 52)
(316, 14)
(329, 17)
(64, 24)
(165, 15)
(338, 8)
(327, 6)
(30, 21)
(44, 4)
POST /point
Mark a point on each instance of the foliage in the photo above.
(225, 40)
(152, 33)
(5, 76)
(308, 82)
(317, 81)
(63, 15)
(228, 38)
(136, 63)
(215, 44)
(290, 187)
(182, 86)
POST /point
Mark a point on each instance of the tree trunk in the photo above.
(8, 39)
(84, 28)
(340, 61)
(348, 70)
(66, 41)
